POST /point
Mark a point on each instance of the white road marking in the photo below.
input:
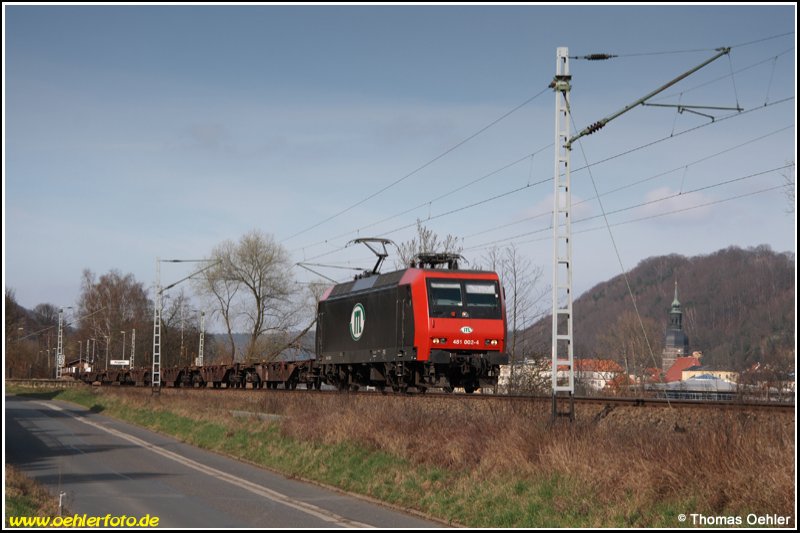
(313, 510)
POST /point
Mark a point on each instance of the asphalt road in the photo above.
(109, 467)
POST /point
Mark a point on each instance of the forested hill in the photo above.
(738, 306)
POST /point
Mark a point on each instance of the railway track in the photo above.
(611, 401)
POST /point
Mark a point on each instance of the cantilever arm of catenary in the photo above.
(602, 122)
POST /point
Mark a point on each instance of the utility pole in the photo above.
(156, 372)
(133, 346)
(562, 346)
(202, 337)
(60, 352)
(182, 351)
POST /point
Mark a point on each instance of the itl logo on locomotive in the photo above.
(357, 320)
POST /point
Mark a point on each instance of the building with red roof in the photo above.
(675, 372)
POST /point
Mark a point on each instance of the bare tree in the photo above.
(426, 241)
(523, 296)
(180, 330)
(626, 343)
(218, 284)
(15, 355)
(308, 302)
(112, 304)
(521, 280)
(46, 314)
(252, 285)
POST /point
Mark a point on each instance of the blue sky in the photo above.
(136, 132)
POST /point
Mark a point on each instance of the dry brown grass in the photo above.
(721, 460)
(716, 460)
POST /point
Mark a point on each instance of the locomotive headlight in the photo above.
(491, 342)
(439, 340)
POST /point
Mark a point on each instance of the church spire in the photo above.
(675, 302)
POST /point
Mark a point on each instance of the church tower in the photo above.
(677, 343)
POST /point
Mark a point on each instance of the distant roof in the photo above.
(597, 365)
(681, 363)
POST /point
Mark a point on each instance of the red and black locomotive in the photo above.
(421, 327)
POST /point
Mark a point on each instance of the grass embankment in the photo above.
(24, 497)
(491, 463)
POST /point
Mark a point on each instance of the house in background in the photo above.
(598, 374)
(76, 366)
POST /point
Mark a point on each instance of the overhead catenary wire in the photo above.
(602, 161)
(777, 36)
(428, 203)
(54, 326)
(719, 78)
(684, 166)
(421, 167)
(639, 219)
(522, 188)
(604, 56)
(634, 206)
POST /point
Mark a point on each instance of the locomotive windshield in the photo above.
(464, 299)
